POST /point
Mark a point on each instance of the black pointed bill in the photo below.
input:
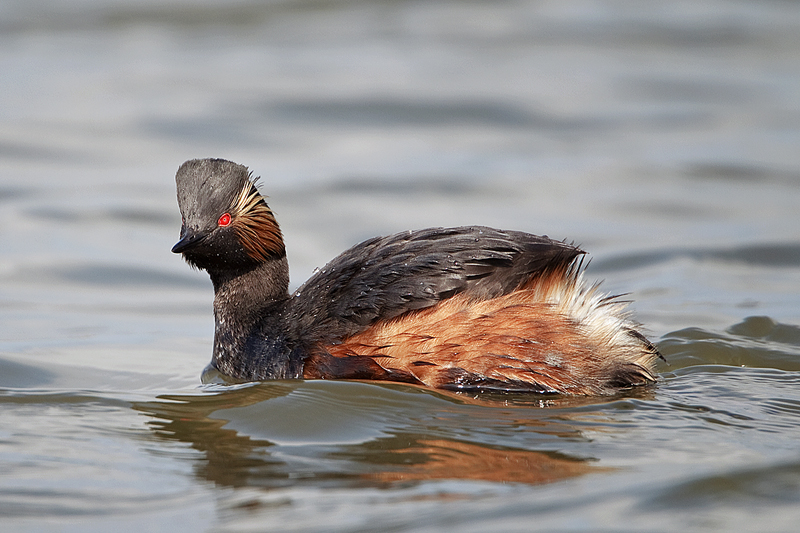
(188, 239)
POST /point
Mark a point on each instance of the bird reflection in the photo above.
(447, 459)
(415, 452)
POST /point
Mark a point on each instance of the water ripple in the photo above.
(756, 342)
(761, 254)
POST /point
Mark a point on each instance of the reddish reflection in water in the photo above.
(409, 452)
(447, 459)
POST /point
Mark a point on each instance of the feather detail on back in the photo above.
(553, 335)
(384, 277)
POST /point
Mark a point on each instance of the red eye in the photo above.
(224, 220)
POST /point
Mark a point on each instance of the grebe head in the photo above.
(226, 224)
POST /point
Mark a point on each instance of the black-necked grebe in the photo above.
(468, 308)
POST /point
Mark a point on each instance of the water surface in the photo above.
(661, 139)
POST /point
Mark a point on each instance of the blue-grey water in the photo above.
(664, 138)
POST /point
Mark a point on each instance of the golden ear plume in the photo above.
(255, 225)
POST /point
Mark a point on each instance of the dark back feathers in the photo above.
(385, 277)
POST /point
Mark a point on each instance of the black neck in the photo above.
(242, 297)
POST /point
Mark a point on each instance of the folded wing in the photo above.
(384, 277)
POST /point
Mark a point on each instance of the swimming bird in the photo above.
(462, 309)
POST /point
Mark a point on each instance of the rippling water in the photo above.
(662, 139)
